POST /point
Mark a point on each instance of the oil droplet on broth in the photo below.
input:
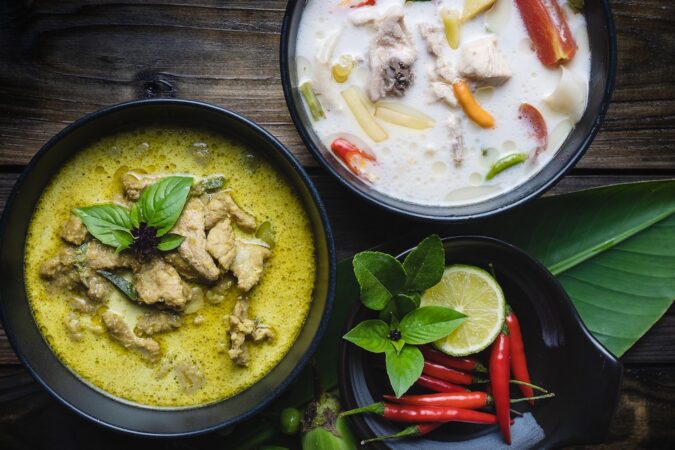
(509, 146)
(475, 179)
(439, 168)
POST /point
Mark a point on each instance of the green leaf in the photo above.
(170, 241)
(399, 306)
(380, 277)
(403, 368)
(429, 324)
(425, 264)
(595, 241)
(102, 220)
(398, 345)
(370, 335)
(125, 238)
(161, 203)
(120, 283)
(136, 215)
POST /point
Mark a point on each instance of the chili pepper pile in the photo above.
(452, 401)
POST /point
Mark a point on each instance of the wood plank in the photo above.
(61, 60)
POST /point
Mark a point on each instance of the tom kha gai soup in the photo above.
(443, 102)
(169, 266)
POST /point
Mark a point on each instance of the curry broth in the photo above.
(281, 300)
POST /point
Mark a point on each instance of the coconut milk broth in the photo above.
(417, 166)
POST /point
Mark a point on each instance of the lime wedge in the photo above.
(475, 293)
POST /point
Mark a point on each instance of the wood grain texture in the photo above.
(62, 60)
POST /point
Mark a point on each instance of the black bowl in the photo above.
(562, 354)
(603, 64)
(65, 385)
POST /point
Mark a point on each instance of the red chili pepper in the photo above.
(439, 385)
(364, 3)
(499, 380)
(518, 358)
(549, 32)
(353, 157)
(447, 374)
(424, 414)
(418, 430)
(464, 400)
(464, 364)
(535, 121)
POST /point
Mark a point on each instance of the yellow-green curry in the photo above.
(169, 267)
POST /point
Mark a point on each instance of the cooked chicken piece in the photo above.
(73, 327)
(98, 288)
(190, 376)
(135, 182)
(159, 282)
(392, 54)
(119, 330)
(73, 230)
(456, 138)
(481, 61)
(242, 327)
(443, 92)
(183, 267)
(60, 270)
(156, 322)
(248, 264)
(193, 249)
(434, 38)
(222, 205)
(82, 304)
(220, 243)
(99, 256)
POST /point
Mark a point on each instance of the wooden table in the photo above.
(62, 59)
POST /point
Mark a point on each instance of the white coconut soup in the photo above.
(414, 133)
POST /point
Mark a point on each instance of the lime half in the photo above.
(475, 293)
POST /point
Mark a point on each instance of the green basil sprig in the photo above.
(394, 289)
(147, 221)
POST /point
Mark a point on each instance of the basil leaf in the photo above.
(399, 306)
(398, 345)
(120, 283)
(101, 220)
(161, 203)
(403, 368)
(429, 324)
(380, 277)
(136, 215)
(370, 335)
(169, 242)
(125, 238)
(425, 264)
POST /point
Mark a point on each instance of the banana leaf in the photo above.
(612, 248)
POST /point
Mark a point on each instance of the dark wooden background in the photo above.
(62, 59)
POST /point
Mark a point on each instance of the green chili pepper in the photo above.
(290, 420)
(506, 162)
(312, 101)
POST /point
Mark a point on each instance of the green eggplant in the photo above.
(323, 429)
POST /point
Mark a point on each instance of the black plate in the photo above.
(27, 340)
(603, 64)
(563, 357)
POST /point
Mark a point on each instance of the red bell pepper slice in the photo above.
(537, 125)
(548, 29)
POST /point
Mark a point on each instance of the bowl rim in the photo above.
(294, 110)
(274, 143)
(395, 248)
